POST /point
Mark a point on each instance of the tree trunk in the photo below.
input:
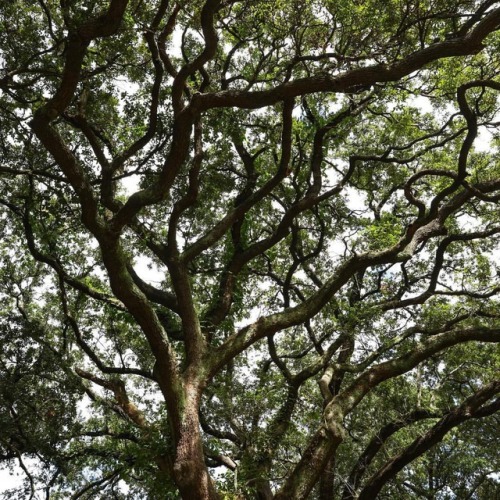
(326, 480)
(190, 472)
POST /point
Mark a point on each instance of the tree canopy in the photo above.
(250, 248)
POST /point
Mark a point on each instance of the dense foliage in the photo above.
(250, 248)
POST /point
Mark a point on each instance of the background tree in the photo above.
(304, 181)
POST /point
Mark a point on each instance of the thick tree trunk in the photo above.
(190, 472)
(326, 480)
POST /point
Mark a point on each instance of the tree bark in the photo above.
(189, 470)
(326, 481)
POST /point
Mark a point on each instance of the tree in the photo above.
(305, 182)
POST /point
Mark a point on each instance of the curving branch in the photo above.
(328, 437)
(473, 407)
(375, 445)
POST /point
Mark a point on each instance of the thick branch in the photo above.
(470, 408)
(327, 438)
(468, 44)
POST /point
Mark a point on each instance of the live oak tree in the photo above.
(249, 248)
